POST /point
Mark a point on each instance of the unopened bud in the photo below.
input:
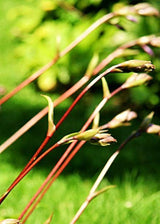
(146, 122)
(145, 9)
(135, 66)
(125, 11)
(136, 80)
(102, 139)
(86, 135)
(10, 221)
(153, 129)
(155, 42)
(122, 119)
(145, 39)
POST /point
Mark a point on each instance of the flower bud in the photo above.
(102, 139)
(145, 39)
(146, 122)
(10, 221)
(122, 119)
(136, 80)
(145, 9)
(153, 129)
(155, 42)
(86, 135)
(135, 66)
(124, 11)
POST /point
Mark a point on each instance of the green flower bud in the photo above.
(124, 11)
(146, 122)
(86, 135)
(135, 66)
(122, 119)
(136, 80)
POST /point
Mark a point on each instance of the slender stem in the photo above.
(27, 170)
(65, 95)
(109, 163)
(42, 113)
(100, 178)
(61, 54)
(80, 211)
(28, 80)
(84, 91)
(23, 173)
(44, 184)
(48, 181)
(116, 53)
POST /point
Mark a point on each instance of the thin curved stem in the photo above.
(57, 126)
(100, 178)
(65, 95)
(48, 182)
(41, 114)
(25, 171)
(58, 56)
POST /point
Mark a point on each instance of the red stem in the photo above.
(57, 126)
(65, 95)
(26, 170)
(61, 54)
(51, 181)
(48, 182)
(63, 157)
(42, 113)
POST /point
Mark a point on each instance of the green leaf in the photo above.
(51, 125)
(96, 121)
(92, 65)
(106, 92)
(103, 190)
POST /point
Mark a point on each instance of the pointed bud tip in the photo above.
(136, 66)
(153, 129)
(122, 119)
(136, 80)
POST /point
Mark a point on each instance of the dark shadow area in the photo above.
(141, 154)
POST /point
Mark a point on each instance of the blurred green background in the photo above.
(27, 41)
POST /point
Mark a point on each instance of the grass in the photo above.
(135, 173)
(134, 200)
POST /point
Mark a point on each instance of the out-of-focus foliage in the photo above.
(43, 27)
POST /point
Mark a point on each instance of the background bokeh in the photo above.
(28, 40)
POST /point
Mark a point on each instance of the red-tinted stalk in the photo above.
(58, 56)
(100, 178)
(48, 181)
(65, 95)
